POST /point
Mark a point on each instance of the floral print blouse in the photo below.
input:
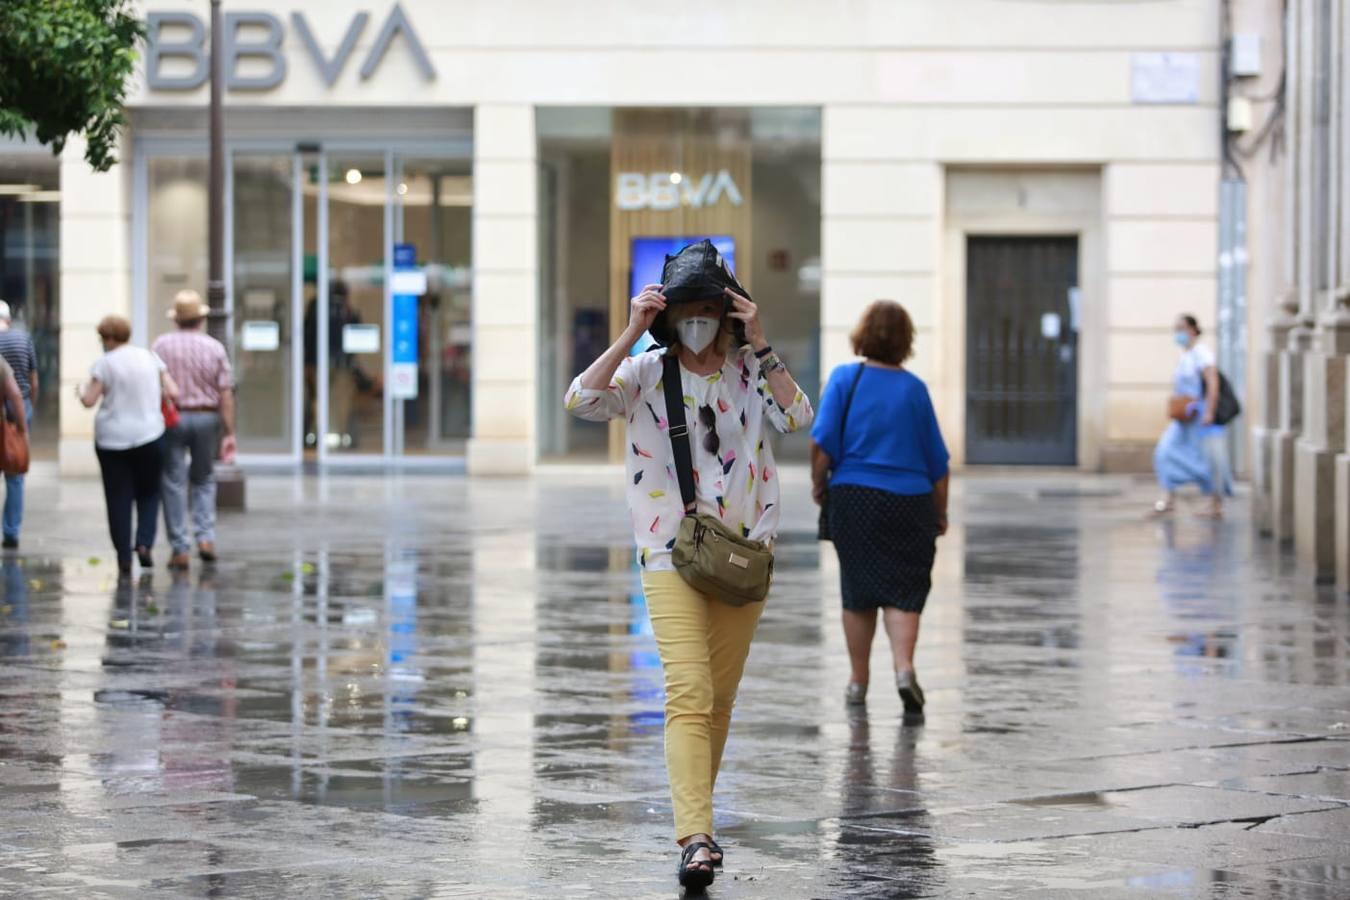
(735, 476)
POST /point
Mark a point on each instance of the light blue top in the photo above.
(1189, 381)
(891, 440)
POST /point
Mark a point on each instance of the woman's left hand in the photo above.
(745, 311)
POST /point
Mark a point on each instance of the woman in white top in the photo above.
(732, 394)
(128, 435)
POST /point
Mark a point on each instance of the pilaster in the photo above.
(1284, 450)
(1322, 438)
(1265, 433)
(505, 293)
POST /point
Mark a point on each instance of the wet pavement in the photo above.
(432, 687)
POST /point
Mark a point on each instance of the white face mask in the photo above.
(698, 332)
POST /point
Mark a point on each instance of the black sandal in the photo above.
(695, 874)
(715, 850)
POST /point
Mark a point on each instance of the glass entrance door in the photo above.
(433, 200)
(325, 246)
(354, 332)
(262, 270)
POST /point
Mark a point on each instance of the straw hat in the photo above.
(188, 307)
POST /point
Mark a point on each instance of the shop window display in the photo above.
(620, 188)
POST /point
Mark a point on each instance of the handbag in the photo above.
(14, 455)
(823, 525)
(710, 557)
(1178, 407)
(170, 411)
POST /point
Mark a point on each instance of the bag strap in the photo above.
(679, 430)
(848, 402)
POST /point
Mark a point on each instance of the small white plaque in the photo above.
(360, 339)
(409, 281)
(1050, 326)
(260, 337)
(403, 381)
(1165, 78)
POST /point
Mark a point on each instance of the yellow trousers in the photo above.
(703, 644)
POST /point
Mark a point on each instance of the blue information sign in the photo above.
(408, 285)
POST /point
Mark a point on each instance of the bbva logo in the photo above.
(268, 48)
(670, 190)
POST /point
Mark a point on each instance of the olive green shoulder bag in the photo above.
(711, 557)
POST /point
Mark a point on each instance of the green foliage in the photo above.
(64, 65)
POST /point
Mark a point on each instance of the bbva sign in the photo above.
(268, 48)
(666, 190)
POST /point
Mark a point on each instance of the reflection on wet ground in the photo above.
(424, 687)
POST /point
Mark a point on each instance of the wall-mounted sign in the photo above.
(360, 339)
(268, 46)
(671, 190)
(260, 337)
(403, 356)
(1165, 78)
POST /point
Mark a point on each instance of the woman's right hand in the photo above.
(644, 308)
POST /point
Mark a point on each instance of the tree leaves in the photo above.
(64, 66)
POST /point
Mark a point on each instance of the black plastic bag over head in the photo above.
(698, 272)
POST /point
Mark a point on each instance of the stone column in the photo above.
(1340, 254)
(1283, 484)
(1299, 101)
(1340, 543)
(1322, 439)
(1265, 434)
(505, 291)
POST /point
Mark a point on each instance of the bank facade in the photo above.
(435, 213)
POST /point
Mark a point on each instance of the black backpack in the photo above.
(1228, 408)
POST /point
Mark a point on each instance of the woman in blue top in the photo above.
(878, 452)
(1193, 449)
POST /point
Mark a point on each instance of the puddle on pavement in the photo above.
(1087, 799)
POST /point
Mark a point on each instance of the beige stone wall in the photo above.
(910, 91)
(95, 282)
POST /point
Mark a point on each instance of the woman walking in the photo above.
(734, 389)
(879, 470)
(128, 436)
(1193, 449)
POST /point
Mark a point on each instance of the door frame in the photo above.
(1087, 226)
(393, 150)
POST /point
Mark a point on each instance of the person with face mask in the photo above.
(735, 388)
(1193, 449)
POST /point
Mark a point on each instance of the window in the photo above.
(621, 187)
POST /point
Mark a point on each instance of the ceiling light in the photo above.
(676, 178)
(353, 176)
(40, 197)
(402, 188)
(7, 190)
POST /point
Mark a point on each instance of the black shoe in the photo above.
(695, 875)
(910, 693)
(717, 854)
(144, 558)
(11, 543)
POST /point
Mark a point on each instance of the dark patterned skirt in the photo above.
(886, 543)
